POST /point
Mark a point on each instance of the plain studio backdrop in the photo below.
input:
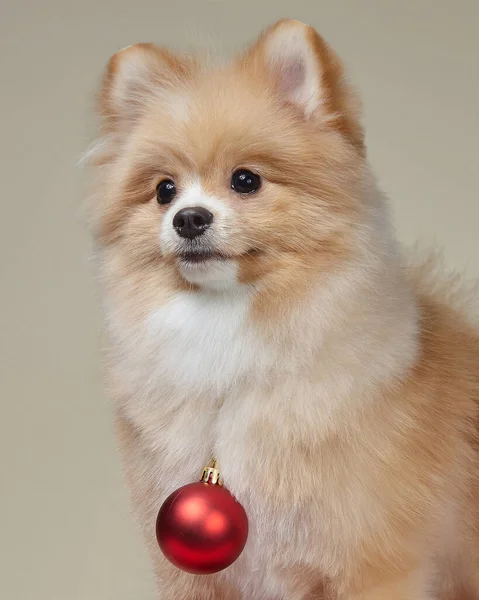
(66, 532)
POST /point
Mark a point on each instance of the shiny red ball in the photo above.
(201, 528)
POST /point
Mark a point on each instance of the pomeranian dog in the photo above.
(258, 310)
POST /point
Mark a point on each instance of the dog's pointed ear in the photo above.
(307, 73)
(134, 77)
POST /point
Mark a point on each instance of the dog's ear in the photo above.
(135, 77)
(307, 73)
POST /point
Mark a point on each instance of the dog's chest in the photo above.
(213, 387)
(204, 342)
(206, 383)
(195, 354)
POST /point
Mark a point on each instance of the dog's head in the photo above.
(245, 173)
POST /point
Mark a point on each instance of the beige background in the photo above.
(65, 529)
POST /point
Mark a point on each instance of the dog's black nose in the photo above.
(191, 222)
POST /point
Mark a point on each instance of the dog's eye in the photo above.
(245, 182)
(165, 191)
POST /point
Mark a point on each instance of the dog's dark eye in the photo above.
(165, 191)
(245, 182)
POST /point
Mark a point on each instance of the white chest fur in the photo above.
(204, 341)
(183, 361)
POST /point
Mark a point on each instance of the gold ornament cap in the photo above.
(211, 474)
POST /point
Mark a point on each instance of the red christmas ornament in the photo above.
(201, 528)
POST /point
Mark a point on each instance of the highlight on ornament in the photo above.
(201, 528)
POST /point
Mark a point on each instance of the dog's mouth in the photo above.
(200, 258)
(203, 257)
